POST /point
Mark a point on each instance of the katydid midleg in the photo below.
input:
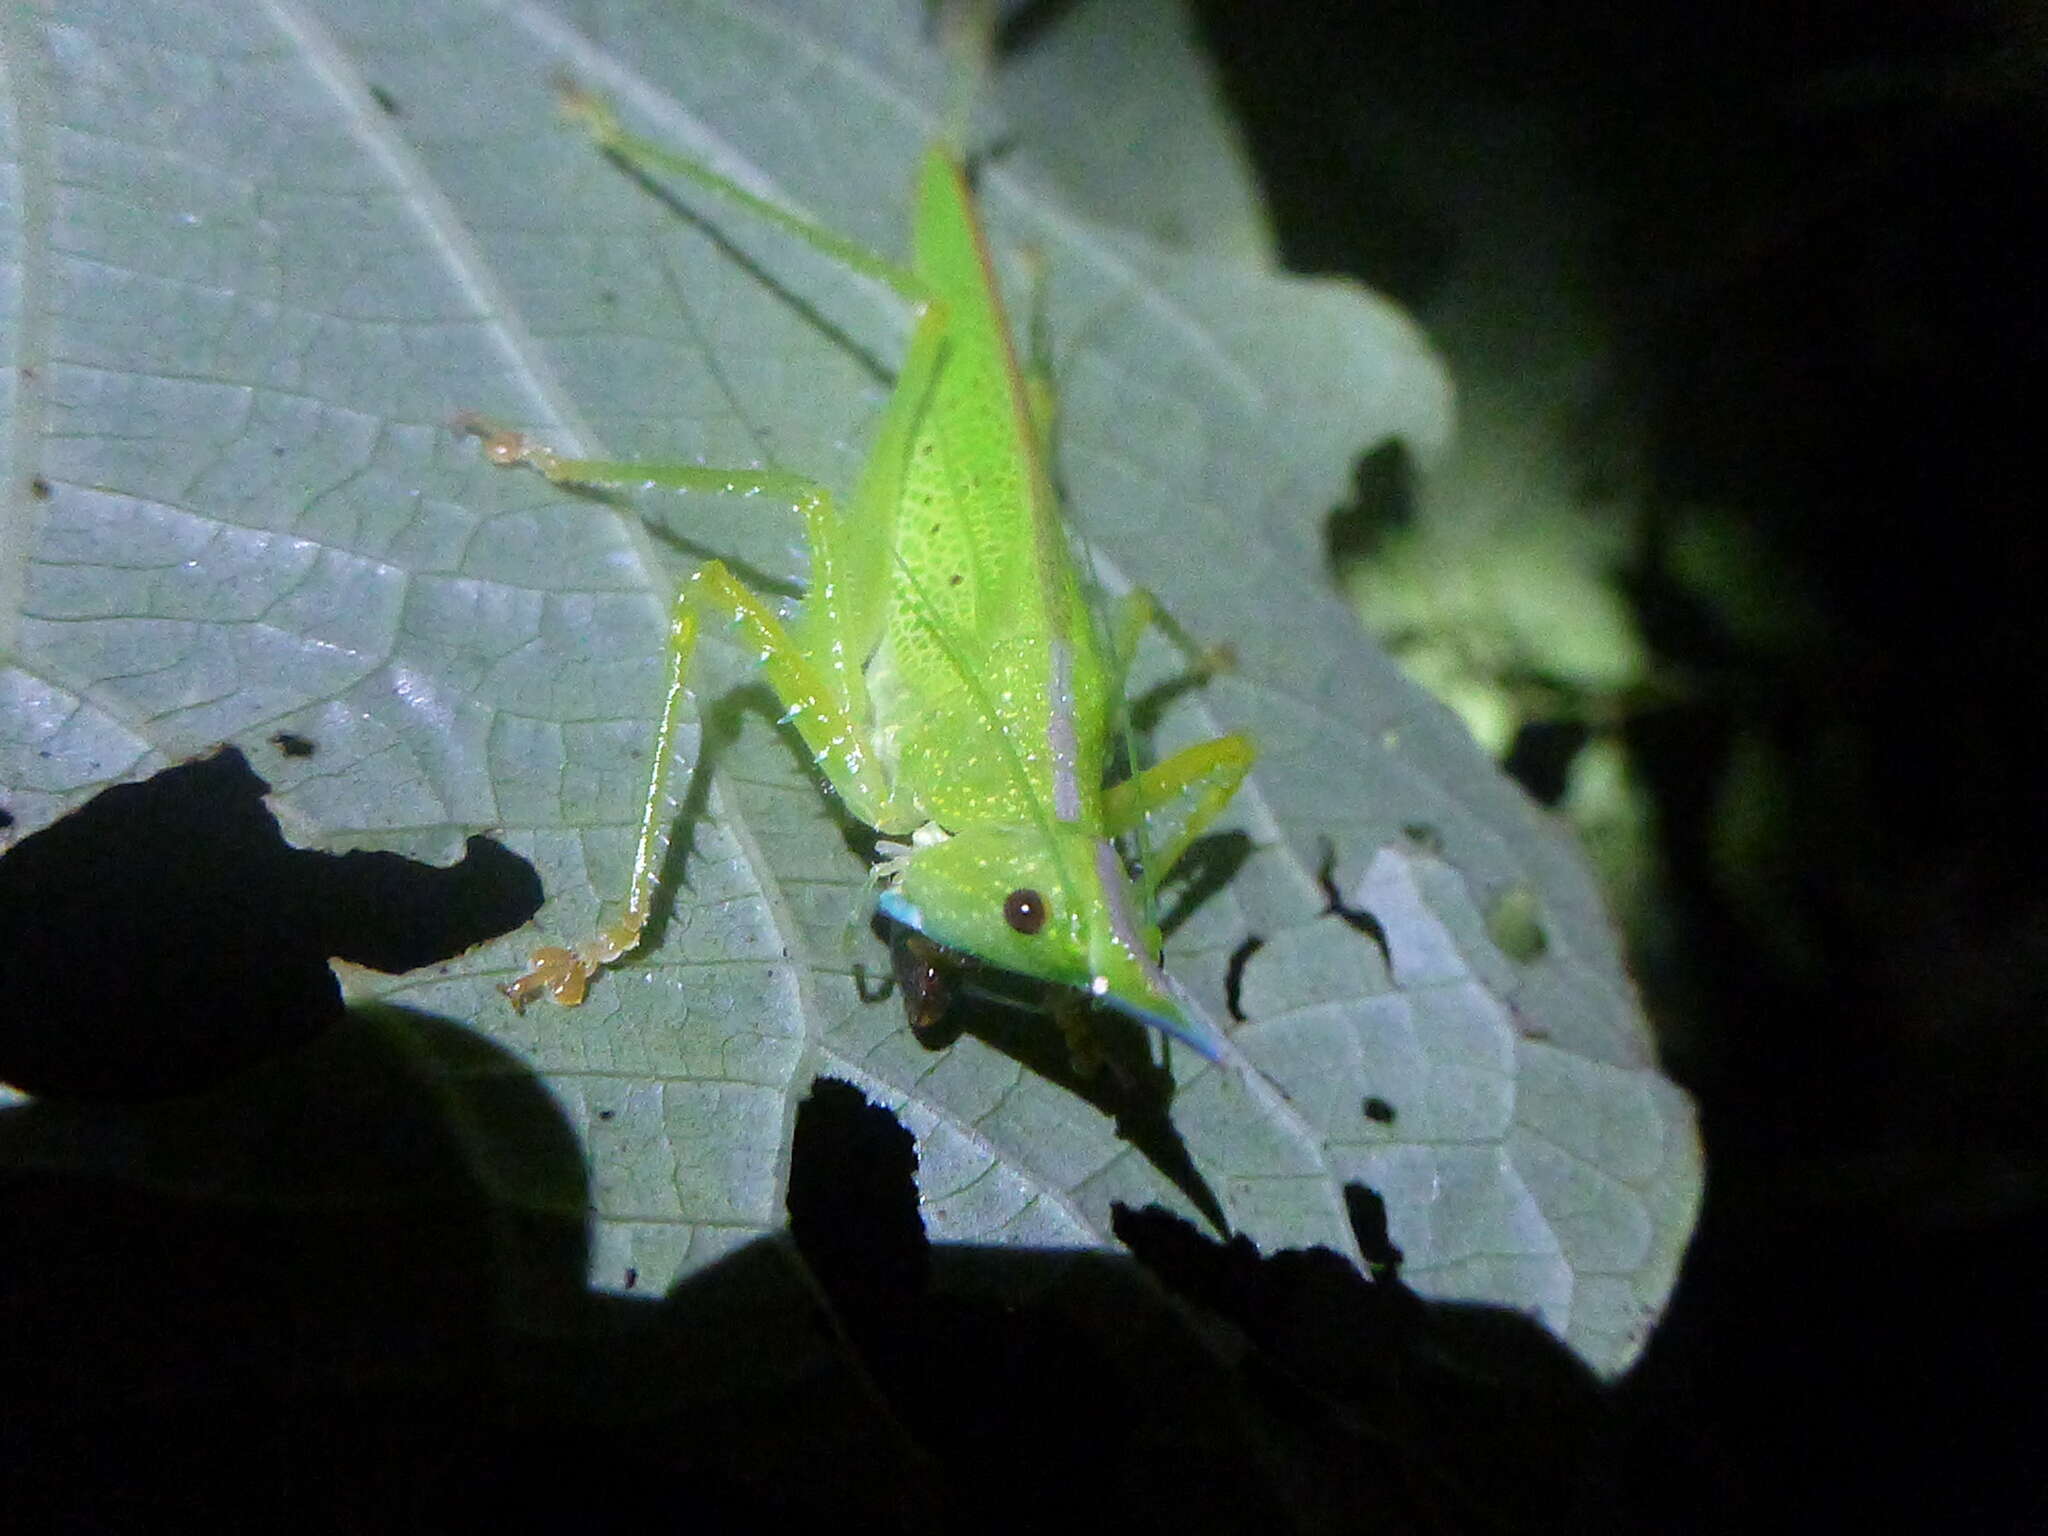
(945, 668)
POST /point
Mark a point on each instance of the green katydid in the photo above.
(944, 669)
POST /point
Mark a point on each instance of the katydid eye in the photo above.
(1024, 911)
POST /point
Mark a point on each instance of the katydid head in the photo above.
(1059, 909)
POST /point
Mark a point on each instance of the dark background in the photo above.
(1819, 244)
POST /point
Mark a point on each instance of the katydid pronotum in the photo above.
(945, 669)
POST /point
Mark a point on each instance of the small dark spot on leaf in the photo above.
(39, 488)
(386, 102)
(1378, 1110)
(1233, 979)
(292, 744)
(632, 1277)
(606, 1114)
(1425, 838)
(6, 818)
(954, 580)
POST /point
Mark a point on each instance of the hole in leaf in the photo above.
(1352, 917)
(1233, 979)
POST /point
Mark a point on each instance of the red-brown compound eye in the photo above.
(1024, 911)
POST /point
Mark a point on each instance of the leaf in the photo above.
(262, 256)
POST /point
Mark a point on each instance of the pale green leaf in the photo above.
(257, 257)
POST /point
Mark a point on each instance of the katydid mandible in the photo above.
(944, 669)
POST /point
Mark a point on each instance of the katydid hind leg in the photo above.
(655, 162)
(836, 739)
(564, 972)
(816, 674)
(841, 619)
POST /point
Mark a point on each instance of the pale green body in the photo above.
(944, 668)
